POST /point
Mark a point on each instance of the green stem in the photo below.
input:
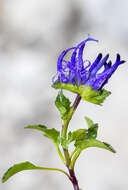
(67, 157)
(65, 123)
(74, 159)
(60, 154)
(73, 152)
(54, 169)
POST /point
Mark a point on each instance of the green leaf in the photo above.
(70, 136)
(26, 166)
(37, 127)
(63, 104)
(85, 91)
(64, 142)
(110, 147)
(89, 121)
(93, 143)
(92, 131)
(18, 168)
(53, 134)
(92, 128)
(79, 134)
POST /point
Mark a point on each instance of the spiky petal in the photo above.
(75, 71)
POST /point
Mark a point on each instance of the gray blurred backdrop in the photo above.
(32, 35)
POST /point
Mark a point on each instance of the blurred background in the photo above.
(32, 35)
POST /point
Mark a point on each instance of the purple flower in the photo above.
(76, 72)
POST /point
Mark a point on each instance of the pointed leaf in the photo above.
(53, 134)
(89, 121)
(49, 133)
(37, 127)
(110, 147)
(18, 168)
(79, 134)
(92, 131)
(26, 166)
(63, 104)
(92, 128)
(93, 143)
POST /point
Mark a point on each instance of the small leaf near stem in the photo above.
(63, 104)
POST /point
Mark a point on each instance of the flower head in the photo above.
(75, 72)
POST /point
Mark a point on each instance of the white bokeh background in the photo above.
(32, 34)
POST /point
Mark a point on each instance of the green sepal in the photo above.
(83, 144)
(99, 99)
(85, 91)
(53, 134)
(63, 104)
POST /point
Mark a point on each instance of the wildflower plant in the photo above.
(86, 80)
